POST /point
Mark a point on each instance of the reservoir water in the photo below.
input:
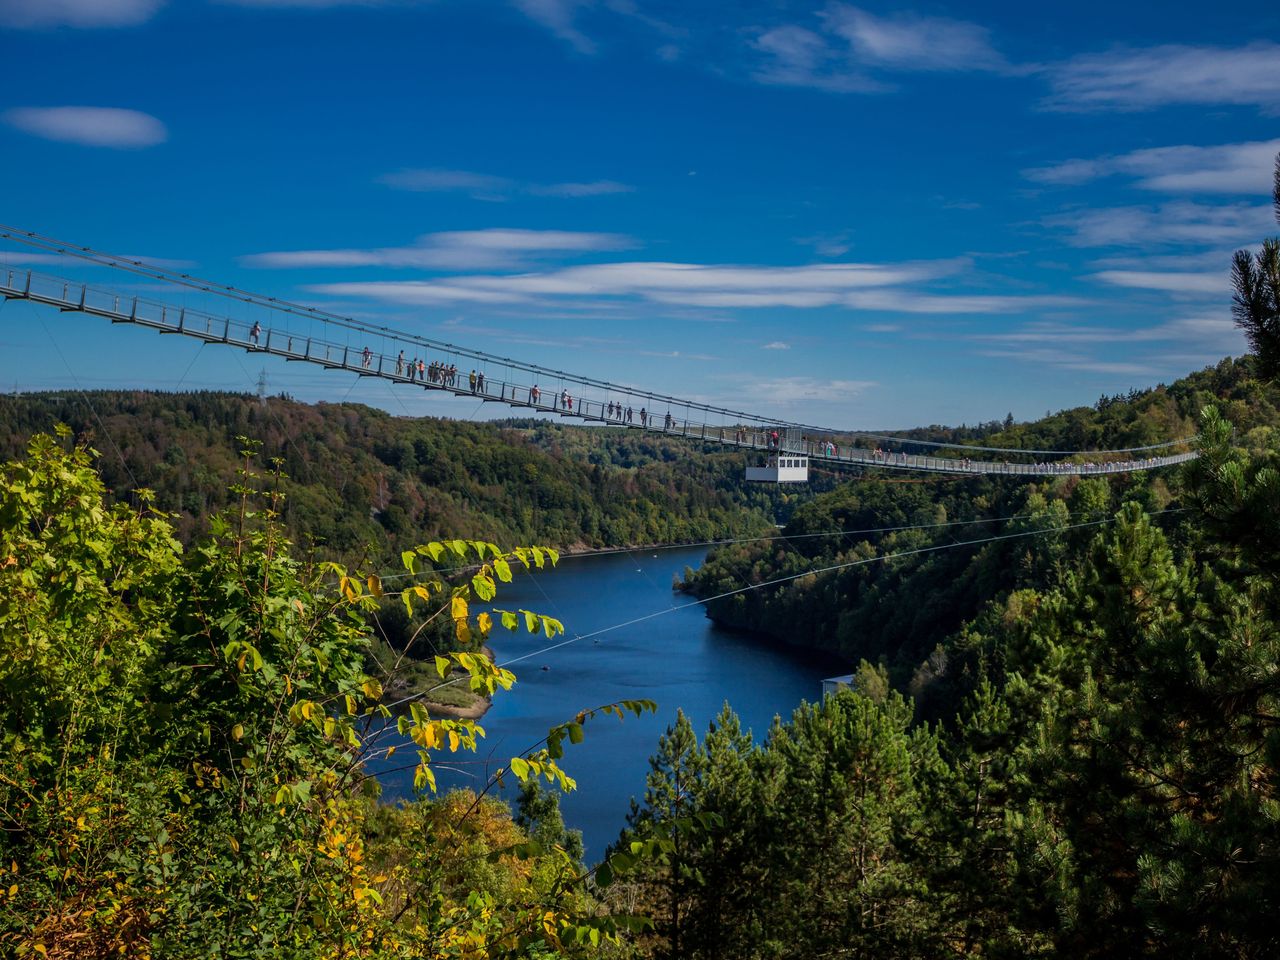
(680, 659)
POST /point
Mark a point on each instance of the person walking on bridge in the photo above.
(254, 332)
(400, 364)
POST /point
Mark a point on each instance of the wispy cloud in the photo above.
(42, 14)
(1197, 328)
(797, 57)
(1213, 283)
(675, 284)
(558, 16)
(880, 288)
(909, 41)
(776, 345)
(484, 186)
(310, 4)
(90, 126)
(827, 245)
(845, 47)
(1141, 79)
(786, 391)
(492, 249)
(1224, 168)
(1176, 222)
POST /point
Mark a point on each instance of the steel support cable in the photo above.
(275, 303)
(614, 551)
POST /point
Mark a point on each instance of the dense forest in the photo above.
(902, 610)
(367, 483)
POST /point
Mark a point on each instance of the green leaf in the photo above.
(502, 569)
(604, 874)
(510, 620)
(410, 560)
(520, 768)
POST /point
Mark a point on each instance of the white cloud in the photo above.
(1225, 168)
(1176, 222)
(776, 345)
(306, 4)
(907, 301)
(1213, 328)
(558, 17)
(908, 41)
(496, 248)
(850, 43)
(827, 245)
(854, 286)
(1128, 79)
(90, 126)
(483, 186)
(785, 391)
(1214, 282)
(596, 188)
(796, 57)
(38, 14)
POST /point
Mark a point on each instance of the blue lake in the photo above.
(679, 659)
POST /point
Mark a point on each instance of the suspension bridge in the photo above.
(306, 334)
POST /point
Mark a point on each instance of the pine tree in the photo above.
(1256, 304)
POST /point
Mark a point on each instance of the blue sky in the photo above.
(863, 215)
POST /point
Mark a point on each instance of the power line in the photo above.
(787, 579)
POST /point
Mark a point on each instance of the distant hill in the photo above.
(369, 483)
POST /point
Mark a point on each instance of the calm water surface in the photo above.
(680, 659)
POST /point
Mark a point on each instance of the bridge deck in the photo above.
(80, 298)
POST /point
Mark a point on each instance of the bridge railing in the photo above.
(618, 408)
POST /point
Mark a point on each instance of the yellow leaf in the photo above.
(235, 844)
(13, 891)
(459, 608)
(237, 732)
(40, 949)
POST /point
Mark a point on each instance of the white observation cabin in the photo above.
(786, 462)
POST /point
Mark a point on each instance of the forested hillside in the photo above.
(901, 610)
(363, 479)
(1073, 751)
